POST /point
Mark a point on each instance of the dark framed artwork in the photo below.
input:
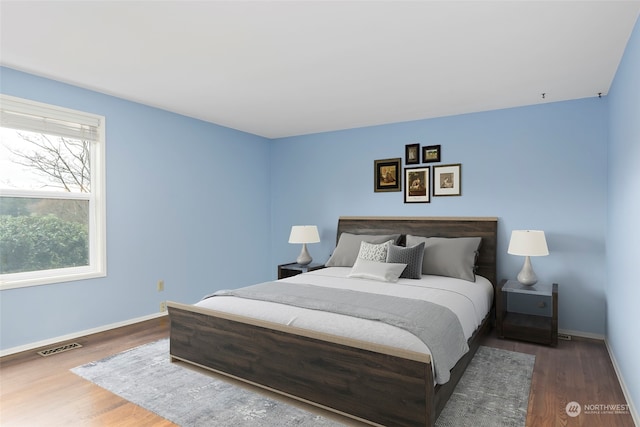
(416, 185)
(386, 175)
(447, 180)
(430, 153)
(412, 154)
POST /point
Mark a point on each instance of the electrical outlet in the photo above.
(160, 285)
(163, 306)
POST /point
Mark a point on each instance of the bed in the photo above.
(380, 383)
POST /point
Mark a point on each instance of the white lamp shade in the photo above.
(304, 234)
(528, 243)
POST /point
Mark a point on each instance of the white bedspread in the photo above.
(470, 301)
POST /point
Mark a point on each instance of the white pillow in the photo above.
(374, 252)
(382, 271)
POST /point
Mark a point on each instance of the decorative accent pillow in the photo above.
(374, 252)
(451, 257)
(382, 271)
(346, 251)
(412, 256)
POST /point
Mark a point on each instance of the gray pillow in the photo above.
(348, 247)
(412, 256)
(451, 257)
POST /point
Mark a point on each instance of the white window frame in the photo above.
(97, 207)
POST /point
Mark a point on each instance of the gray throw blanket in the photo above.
(437, 326)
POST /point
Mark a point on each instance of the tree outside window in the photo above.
(49, 224)
(44, 233)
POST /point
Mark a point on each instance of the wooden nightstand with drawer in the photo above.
(527, 313)
(293, 269)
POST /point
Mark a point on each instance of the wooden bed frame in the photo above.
(375, 384)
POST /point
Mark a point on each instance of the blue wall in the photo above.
(538, 167)
(186, 201)
(184, 197)
(623, 251)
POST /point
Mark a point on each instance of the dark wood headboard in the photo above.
(484, 227)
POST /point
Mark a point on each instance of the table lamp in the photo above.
(527, 243)
(304, 234)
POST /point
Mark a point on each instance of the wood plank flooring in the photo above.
(576, 371)
(41, 391)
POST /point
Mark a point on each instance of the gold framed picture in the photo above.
(386, 175)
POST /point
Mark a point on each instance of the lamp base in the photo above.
(526, 276)
(304, 258)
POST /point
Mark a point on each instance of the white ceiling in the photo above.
(278, 68)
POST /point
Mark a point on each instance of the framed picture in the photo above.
(416, 185)
(431, 154)
(412, 154)
(386, 175)
(446, 180)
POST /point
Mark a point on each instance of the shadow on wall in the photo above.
(578, 264)
(561, 243)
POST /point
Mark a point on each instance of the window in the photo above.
(52, 191)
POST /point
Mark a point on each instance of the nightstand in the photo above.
(527, 313)
(293, 269)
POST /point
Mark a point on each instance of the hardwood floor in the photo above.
(576, 371)
(41, 391)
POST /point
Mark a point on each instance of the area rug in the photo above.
(493, 392)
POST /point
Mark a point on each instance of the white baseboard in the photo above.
(632, 408)
(581, 334)
(75, 335)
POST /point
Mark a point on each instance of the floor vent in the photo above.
(59, 349)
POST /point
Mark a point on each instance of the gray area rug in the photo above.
(493, 392)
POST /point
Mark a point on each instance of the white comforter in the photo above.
(470, 301)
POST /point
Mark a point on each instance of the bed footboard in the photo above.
(374, 384)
